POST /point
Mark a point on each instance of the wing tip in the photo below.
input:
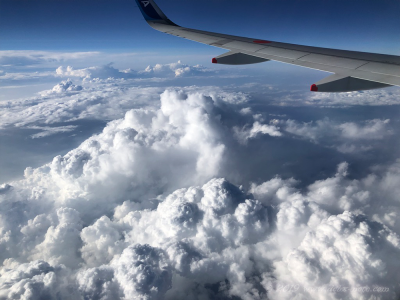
(152, 13)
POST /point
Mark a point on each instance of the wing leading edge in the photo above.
(353, 71)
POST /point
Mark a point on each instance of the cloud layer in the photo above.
(140, 211)
(197, 192)
(177, 69)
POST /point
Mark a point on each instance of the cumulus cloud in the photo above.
(371, 97)
(246, 133)
(143, 272)
(368, 130)
(102, 72)
(63, 87)
(93, 100)
(67, 102)
(140, 211)
(346, 250)
(373, 129)
(177, 69)
(144, 140)
(26, 71)
(34, 280)
(284, 244)
(18, 70)
(29, 67)
(347, 137)
(379, 97)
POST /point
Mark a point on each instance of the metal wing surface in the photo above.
(352, 70)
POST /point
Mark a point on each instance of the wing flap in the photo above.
(243, 46)
(381, 68)
(285, 53)
(221, 43)
(344, 83)
(237, 58)
(197, 37)
(340, 62)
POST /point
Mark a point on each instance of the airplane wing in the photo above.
(352, 70)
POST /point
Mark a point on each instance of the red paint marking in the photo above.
(214, 61)
(314, 88)
(261, 42)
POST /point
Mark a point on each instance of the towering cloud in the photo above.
(142, 211)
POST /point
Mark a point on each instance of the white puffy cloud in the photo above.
(61, 242)
(98, 283)
(387, 96)
(143, 272)
(25, 72)
(283, 94)
(26, 68)
(62, 87)
(69, 71)
(346, 137)
(140, 211)
(22, 67)
(213, 235)
(246, 133)
(95, 99)
(102, 72)
(178, 68)
(68, 102)
(373, 129)
(345, 256)
(34, 280)
(369, 130)
(128, 155)
(102, 241)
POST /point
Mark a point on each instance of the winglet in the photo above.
(152, 13)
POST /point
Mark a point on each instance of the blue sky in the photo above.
(371, 26)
